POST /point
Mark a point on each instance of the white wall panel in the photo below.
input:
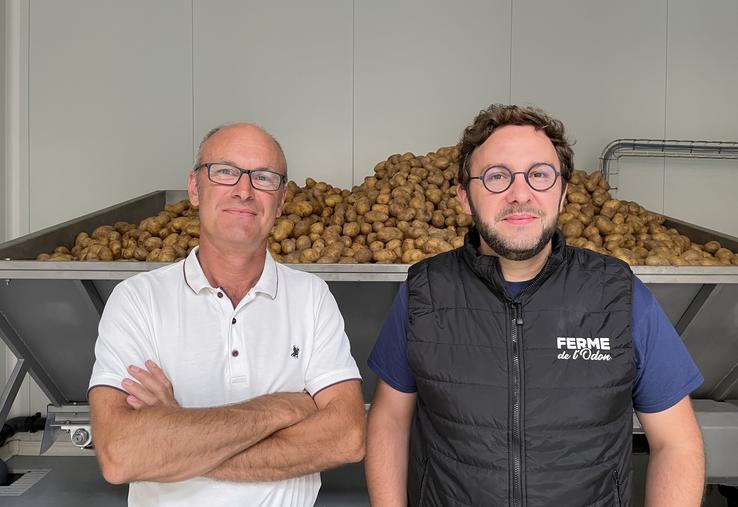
(423, 70)
(599, 66)
(702, 192)
(110, 103)
(3, 187)
(286, 66)
(110, 110)
(702, 86)
(640, 180)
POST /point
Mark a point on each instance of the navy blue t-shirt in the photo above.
(665, 372)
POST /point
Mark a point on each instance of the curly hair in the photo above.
(500, 115)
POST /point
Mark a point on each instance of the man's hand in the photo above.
(153, 387)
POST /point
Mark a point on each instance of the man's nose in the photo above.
(519, 191)
(243, 189)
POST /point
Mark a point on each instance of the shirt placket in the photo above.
(238, 360)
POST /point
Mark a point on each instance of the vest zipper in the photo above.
(616, 478)
(517, 327)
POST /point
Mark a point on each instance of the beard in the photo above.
(504, 247)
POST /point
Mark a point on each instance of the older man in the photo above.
(509, 368)
(226, 379)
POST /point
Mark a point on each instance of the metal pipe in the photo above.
(666, 148)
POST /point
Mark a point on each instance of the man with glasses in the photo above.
(226, 379)
(509, 368)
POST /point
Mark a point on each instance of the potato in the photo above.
(171, 239)
(102, 232)
(275, 248)
(573, 228)
(610, 207)
(463, 220)
(153, 256)
(152, 243)
(655, 260)
(351, 229)
(375, 216)
(303, 243)
(434, 246)
(578, 197)
(412, 256)
(712, 247)
(394, 244)
(376, 246)
(363, 255)
(309, 255)
(115, 249)
(327, 259)
(193, 228)
(292, 258)
(184, 240)
(384, 256)
(332, 200)
(179, 252)
(604, 224)
(168, 254)
(282, 229)
(389, 233)
(723, 253)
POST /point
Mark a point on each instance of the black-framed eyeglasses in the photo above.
(226, 174)
(498, 178)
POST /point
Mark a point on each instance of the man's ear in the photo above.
(564, 188)
(280, 202)
(192, 190)
(463, 196)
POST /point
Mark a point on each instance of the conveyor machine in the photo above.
(49, 312)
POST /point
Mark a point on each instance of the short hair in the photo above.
(500, 115)
(217, 129)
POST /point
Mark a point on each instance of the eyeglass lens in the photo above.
(260, 178)
(539, 177)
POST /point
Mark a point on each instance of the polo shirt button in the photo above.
(234, 320)
(220, 294)
(234, 353)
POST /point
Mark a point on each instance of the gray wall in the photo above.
(343, 85)
(2, 127)
(119, 93)
(3, 199)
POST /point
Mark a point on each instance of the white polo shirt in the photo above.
(285, 335)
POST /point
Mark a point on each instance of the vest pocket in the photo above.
(616, 484)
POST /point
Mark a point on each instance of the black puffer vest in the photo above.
(523, 401)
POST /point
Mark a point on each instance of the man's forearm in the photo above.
(386, 463)
(331, 437)
(167, 444)
(675, 477)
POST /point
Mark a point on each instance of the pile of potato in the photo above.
(166, 237)
(593, 219)
(406, 211)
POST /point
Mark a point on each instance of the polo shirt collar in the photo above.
(197, 281)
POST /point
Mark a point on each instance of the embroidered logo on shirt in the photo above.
(588, 349)
(295, 351)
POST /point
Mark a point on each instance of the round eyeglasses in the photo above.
(497, 179)
(226, 174)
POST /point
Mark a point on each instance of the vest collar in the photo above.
(487, 267)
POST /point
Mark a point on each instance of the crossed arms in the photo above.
(146, 436)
